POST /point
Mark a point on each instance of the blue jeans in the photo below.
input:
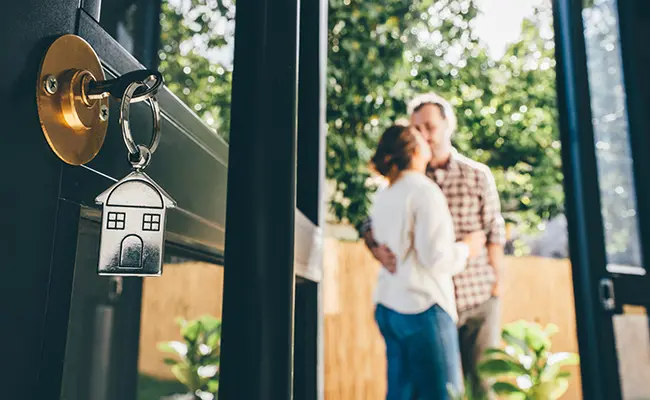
(422, 353)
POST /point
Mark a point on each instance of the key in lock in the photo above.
(72, 102)
(134, 209)
(72, 98)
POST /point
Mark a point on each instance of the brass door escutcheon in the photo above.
(74, 124)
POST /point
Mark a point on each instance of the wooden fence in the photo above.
(188, 290)
(535, 289)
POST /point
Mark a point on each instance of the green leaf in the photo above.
(170, 361)
(516, 329)
(496, 353)
(213, 340)
(210, 323)
(563, 358)
(191, 331)
(507, 389)
(173, 346)
(562, 385)
(501, 368)
(550, 390)
(213, 386)
(516, 342)
(165, 347)
(182, 373)
(537, 339)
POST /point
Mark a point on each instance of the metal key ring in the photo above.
(125, 107)
(143, 158)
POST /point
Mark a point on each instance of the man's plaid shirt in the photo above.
(474, 205)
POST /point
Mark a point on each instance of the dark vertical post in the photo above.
(259, 278)
(33, 267)
(311, 109)
(307, 340)
(309, 371)
(633, 24)
(599, 366)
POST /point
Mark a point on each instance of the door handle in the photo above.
(606, 294)
(72, 98)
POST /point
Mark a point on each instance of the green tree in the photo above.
(521, 135)
(506, 109)
(197, 39)
(380, 55)
(366, 44)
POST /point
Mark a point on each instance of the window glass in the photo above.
(190, 41)
(612, 136)
(124, 339)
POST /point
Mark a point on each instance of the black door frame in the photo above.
(44, 199)
(593, 283)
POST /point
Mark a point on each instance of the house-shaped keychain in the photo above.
(133, 227)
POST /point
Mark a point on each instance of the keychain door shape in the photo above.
(134, 211)
(133, 226)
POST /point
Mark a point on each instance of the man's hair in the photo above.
(446, 110)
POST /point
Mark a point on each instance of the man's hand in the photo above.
(385, 257)
(475, 241)
(495, 289)
(381, 253)
(496, 258)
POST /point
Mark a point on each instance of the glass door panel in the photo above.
(188, 290)
(190, 43)
(615, 167)
(117, 325)
(612, 137)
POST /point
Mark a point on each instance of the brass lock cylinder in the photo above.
(74, 124)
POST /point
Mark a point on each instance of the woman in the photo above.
(415, 305)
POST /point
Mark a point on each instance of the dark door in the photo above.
(68, 333)
(604, 99)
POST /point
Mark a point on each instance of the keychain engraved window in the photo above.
(134, 211)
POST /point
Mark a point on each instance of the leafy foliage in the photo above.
(525, 151)
(506, 110)
(197, 38)
(196, 364)
(380, 55)
(527, 369)
(366, 42)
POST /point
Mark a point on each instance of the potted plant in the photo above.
(196, 364)
(526, 369)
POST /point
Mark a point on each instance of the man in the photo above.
(474, 205)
